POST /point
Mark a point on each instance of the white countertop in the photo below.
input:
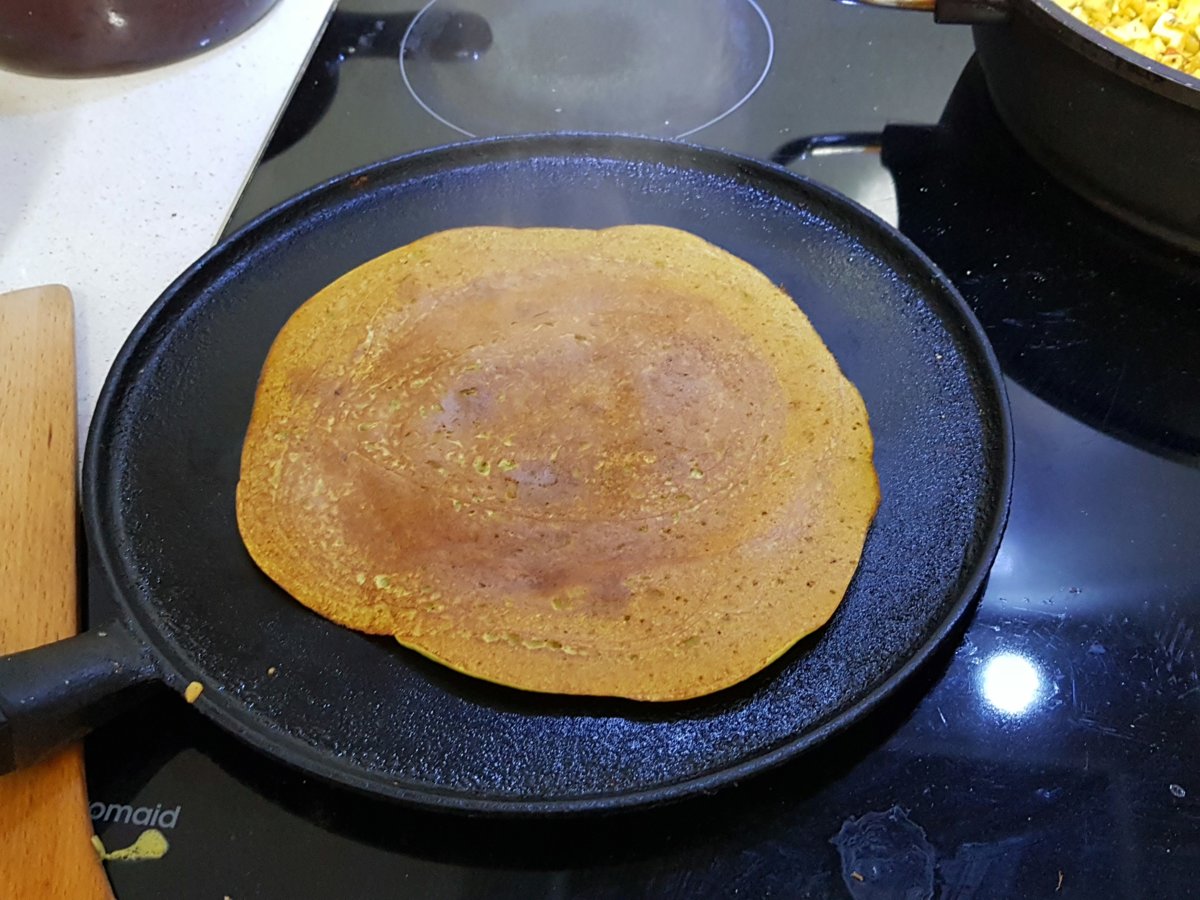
(113, 186)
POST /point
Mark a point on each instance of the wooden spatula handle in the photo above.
(45, 833)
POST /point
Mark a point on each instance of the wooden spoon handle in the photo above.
(45, 832)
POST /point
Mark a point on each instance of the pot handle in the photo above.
(815, 145)
(52, 695)
(951, 12)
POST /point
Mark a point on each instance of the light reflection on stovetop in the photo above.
(1049, 751)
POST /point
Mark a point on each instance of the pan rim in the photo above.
(278, 744)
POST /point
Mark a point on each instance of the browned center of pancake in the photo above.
(616, 462)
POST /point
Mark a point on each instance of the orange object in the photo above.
(614, 463)
(45, 832)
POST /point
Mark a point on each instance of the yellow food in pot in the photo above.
(1167, 31)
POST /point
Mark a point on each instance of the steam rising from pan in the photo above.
(663, 68)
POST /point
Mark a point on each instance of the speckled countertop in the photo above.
(113, 186)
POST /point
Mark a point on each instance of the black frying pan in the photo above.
(162, 462)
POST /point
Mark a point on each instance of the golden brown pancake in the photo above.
(614, 462)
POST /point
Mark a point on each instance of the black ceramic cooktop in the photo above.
(1051, 750)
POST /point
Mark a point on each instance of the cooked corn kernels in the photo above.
(1164, 30)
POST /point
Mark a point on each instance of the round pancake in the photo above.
(614, 462)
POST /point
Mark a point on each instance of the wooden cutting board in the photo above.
(45, 831)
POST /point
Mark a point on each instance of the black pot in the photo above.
(1117, 127)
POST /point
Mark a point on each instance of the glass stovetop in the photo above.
(1048, 751)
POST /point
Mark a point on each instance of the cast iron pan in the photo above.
(162, 462)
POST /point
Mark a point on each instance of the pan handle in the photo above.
(52, 695)
(950, 12)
